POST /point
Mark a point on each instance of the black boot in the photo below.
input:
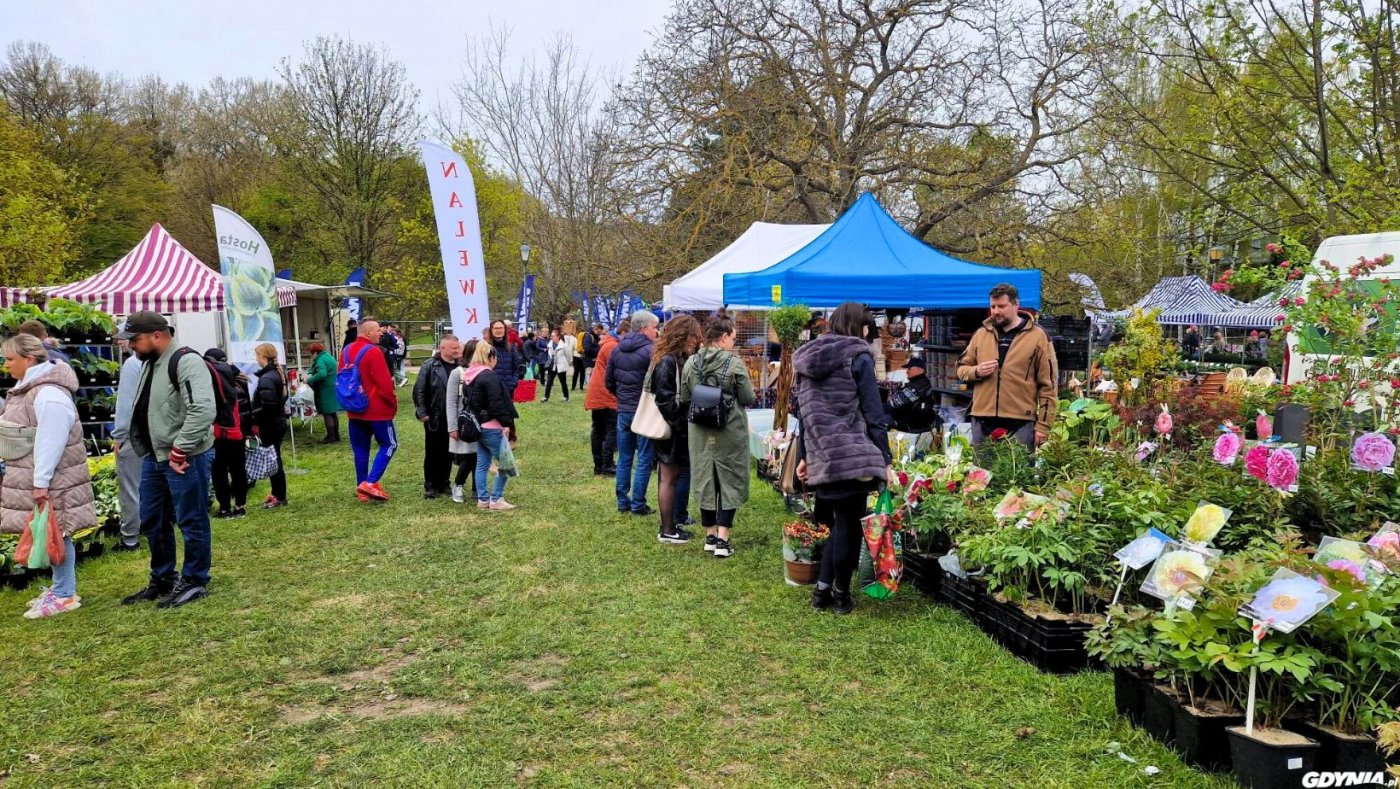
(844, 604)
(822, 599)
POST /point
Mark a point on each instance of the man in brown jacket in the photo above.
(1011, 368)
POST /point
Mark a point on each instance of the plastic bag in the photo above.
(505, 463)
(44, 530)
(886, 550)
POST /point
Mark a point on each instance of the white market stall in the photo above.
(762, 245)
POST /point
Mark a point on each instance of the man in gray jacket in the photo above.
(128, 462)
(172, 429)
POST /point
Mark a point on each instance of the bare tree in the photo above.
(543, 119)
(941, 105)
(353, 118)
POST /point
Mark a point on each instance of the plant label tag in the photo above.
(1389, 471)
(1295, 764)
(1185, 603)
(1144, 550)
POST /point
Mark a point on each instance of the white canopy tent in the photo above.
(763, 245)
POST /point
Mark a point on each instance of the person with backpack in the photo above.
(493, 418)
(172, 428)
(270, 418)
(366, 392)
(462, 450)
(230, 468)
(715, 389)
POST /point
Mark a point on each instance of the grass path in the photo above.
(423, 643)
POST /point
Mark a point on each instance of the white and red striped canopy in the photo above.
(160, 275)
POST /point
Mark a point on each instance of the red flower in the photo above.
(1283, 302)
(903, 479)
(953, 487)
(1220, 287)
(1287, 390)
(1272, 248)
(1348, 403)
(1288, 328)
(1363, 384)
(998, 434)
(1299, 301)
(1285, 264)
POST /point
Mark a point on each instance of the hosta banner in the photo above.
(250, 284)
(459, 234)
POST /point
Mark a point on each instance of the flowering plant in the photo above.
(800, 540)
(1256, 462)
(1282, 472)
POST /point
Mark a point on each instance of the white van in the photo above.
(1343, 251)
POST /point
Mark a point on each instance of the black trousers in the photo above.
(842, 554)
(604, 438)
(278, 480)
(550, 376)
(230, 473)
(437, 461)
(466, 470)
(579, 378)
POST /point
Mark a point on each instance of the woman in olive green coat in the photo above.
(321, 379)
(719, 459)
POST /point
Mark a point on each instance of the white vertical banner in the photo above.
(459, 234)
(250, 289)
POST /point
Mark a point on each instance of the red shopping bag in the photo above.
(882, 538)
(525, 391)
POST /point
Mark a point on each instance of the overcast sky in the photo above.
(190, 41)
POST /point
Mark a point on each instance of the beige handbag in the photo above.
(16, 441)
(648, 421)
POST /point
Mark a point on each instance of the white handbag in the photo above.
(648, 421)
(16, 441)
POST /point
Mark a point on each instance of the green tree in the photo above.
(40, 210)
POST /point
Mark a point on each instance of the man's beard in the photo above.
(1001, 321)
(147, 356)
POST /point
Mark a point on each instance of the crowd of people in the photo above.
(667, 399)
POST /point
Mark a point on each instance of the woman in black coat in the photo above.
(270, 418)
(843, 452)
(510, 359)
(678, 341)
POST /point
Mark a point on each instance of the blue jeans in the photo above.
(487, 448)
(167, 499)
(65, 577)
(632, 483)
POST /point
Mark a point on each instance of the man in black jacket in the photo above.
(430, 406)
(627, 371)
(914, 406)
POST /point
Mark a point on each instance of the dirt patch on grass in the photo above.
(356, 601)
(538, 674)
(373, 710)
(382, 673)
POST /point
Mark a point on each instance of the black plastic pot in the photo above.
(1052, 645)
(922, 571)
(1264, 765)
(1200, 737)
(1159, 706)
(1128, 690)
(1339, 751)
(963, 594)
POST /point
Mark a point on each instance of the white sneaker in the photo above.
(458, 496)
(483, 505)
(501, 505)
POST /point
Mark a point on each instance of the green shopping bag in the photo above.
(881, 531)
(41, 544)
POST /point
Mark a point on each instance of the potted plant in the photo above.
(802, 544)
(786, 323)
(1124, 642)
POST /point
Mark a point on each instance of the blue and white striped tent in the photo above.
(1262, 313)
(1181, 301)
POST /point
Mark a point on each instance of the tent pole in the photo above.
(296, 468)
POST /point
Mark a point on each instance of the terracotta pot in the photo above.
(802, 573)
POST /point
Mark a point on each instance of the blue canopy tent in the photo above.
(866, 256)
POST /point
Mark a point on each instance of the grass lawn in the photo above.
(424, 643)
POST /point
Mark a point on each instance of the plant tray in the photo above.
(922, 571)
(1051, 645)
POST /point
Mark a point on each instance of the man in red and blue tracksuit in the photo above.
(377, 420)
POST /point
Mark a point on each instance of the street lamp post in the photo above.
(1217, 254)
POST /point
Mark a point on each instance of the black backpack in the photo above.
(227, 422)
(468, 426)
(709, 404)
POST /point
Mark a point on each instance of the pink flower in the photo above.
(1372, 452)
(903, 479)
(976, 480)
(1264, 426)
(1163, 425)
(1352, 568)
(1256, 462)
(1220, 287)
(1145, 450)
(1272, 248)
(1227, 448)
(1386, 543)
(1298, 301)
(1282, 471)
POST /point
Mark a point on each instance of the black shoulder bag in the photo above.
(709, 405)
